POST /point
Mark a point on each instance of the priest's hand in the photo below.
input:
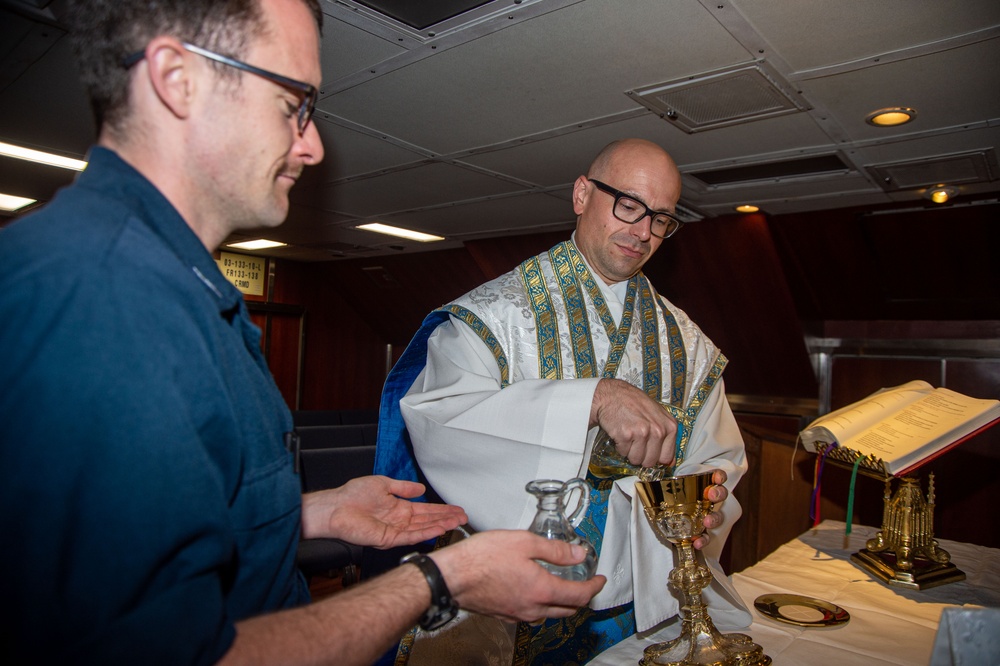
(715, 493)
(495, 573)
(376, 511)
(642, 430)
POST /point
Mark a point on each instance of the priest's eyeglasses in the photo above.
(307, 103)
(630, 210)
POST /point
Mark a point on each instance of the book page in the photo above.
(920, 428)
(848, 422)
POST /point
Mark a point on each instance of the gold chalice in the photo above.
(676, 508)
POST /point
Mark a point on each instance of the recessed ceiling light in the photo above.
(897, 115)
(747, 208)
(21, 153)
(380, 228)
(941, 193)
(259, 244)
(10, 202)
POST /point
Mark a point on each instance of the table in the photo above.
(888, 625)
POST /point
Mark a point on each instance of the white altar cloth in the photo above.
(888, 625)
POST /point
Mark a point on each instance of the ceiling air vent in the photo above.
(957, 169)
(421, 15)
(687, 214)
(721, 98)
(800, 167)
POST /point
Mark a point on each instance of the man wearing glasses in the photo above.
(512, 382)
(150, 510)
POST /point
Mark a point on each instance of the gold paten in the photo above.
(676, 508)
(784, 607)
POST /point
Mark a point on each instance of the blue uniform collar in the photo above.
(109, 173)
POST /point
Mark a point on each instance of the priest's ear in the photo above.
(581, 192)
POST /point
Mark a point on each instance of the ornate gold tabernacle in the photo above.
(904, 552)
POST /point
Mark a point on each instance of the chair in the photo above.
(330, 467)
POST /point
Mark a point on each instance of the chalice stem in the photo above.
(676, 508)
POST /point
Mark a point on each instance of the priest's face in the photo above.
(616, 250)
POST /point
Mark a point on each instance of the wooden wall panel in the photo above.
(932, 265)
(726, 275)
(283, 355)
(393, 294)
(344, 364)
(496, 256)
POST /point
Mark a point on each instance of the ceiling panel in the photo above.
(817, 33)
(479, 125)
(351, 153)
(952, 88)
(409, 189)
(554, 70)
(498, 217)
(54, 116)
(347, 49)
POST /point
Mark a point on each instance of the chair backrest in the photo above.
(316, 417)
(333, 467)
(337, 436)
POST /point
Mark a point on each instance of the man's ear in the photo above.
(580, 194)
(168, 66)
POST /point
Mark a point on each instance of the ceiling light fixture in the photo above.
(10, 202)
(21, 153)
(896, 115)
(259, 244)
(747, 208)
(380, 228)
(941, 194)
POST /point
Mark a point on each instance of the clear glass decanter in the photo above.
(552, 522)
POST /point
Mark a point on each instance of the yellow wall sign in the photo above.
(246, 273)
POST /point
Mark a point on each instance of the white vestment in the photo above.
(479, 442)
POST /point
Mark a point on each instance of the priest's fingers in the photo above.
(716, 494)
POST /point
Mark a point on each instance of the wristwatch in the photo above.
(443, 608)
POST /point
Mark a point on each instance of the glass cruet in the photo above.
(552, 522)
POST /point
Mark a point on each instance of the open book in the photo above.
(898, 429)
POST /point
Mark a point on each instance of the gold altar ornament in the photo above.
(676, 508)
(904, 552)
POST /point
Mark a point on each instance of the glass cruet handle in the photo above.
(578, 514)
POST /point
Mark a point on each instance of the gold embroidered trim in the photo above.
(576, 310)
(546, 327)
(483, 331)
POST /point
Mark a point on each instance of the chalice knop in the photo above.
(676, 508)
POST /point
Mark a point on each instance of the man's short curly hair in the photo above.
(105, 32)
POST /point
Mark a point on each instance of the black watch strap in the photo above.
(443, 608)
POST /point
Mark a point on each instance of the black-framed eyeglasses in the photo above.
(630, 210)
(308, 91)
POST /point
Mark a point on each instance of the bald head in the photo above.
(624, 152)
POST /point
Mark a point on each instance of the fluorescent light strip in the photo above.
(259, 244)
(20, 153)
(10, 202)
(380, 228)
